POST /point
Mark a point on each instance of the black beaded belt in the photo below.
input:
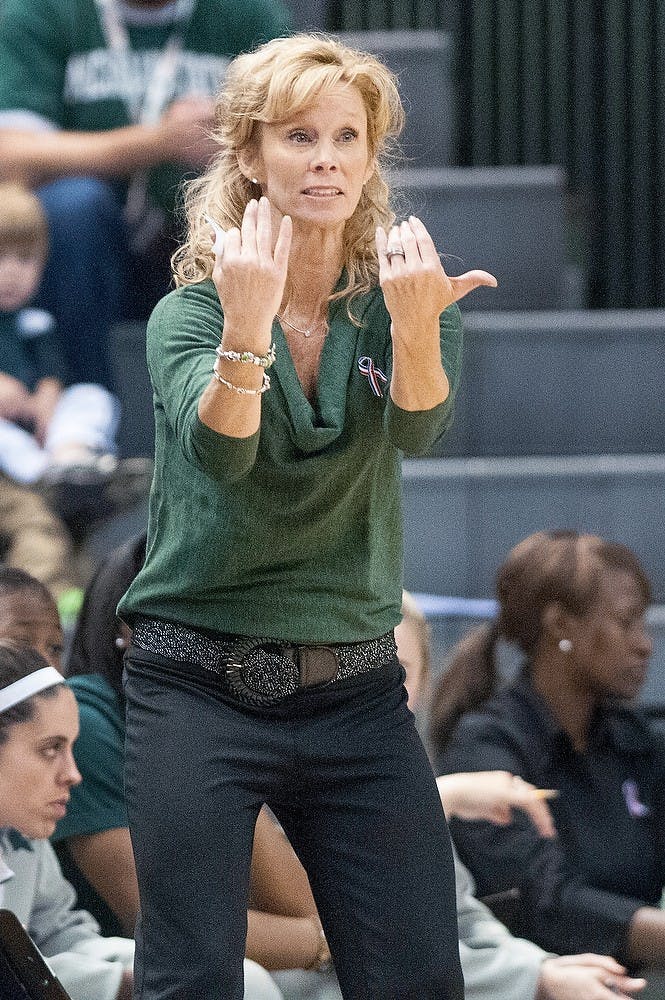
(261, 671)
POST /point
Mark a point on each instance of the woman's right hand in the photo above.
(250, 277)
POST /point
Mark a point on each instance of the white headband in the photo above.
(24, 688)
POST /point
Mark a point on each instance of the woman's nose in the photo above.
(324, 157)
(645, 643)
(71, 774)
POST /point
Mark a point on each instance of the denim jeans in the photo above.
(91, 280)
(344, 770)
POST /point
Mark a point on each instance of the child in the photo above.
(59, 436)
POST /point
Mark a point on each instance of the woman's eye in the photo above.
(299, 136)
(349, 134)
(49, 753)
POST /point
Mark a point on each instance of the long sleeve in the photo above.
(86, 963)
(496, 965)
(183, 332)
(561, 909)
(415, 432)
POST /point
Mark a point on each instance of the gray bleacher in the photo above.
(510, 221)
(422, 60)
(566, 382)
(463, 515)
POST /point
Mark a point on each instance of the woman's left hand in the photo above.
(415, 286)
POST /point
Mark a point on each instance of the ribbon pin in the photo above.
(636, 809)
(374, 375)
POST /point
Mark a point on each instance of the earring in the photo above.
(254, 180)
(565, 645)
(120, 642)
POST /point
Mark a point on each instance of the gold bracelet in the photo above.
(240, 389)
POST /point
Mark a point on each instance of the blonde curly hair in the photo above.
(267, 86)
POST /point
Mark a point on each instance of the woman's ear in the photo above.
(249, 163)
(557, 623)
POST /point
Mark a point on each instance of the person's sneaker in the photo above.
(97, 488)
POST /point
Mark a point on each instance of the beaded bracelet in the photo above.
(240, 388)
(247, 358)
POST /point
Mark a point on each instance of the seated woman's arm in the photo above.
(107, 861)
(286, 936)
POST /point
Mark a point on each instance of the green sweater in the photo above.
(296, 531)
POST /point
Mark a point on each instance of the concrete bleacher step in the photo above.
(461, 516)
(422, 60)
(510, 221)
(569, 382)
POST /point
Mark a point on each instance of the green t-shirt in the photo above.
(98, 803)
(295, 532)
(54, 62)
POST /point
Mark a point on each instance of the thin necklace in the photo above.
(306, 333)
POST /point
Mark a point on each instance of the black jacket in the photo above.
(579, 891)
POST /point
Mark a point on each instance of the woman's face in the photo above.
(29, 619)
(611, 647)
(410, 654)
(313, 166)
(37, 767)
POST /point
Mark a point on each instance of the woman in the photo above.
(575, 606)
(93, 839)
(263, 663)
(38, 727)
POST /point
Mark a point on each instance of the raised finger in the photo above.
(394, 243)
(248, 227)
(283, 244)
(425, 242)
(264, 229)
(409, 243)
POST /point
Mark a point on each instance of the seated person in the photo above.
(38, 726)
(33, 538)
(51, 433)
(104, 108)
(29, 615)
(93, 840)
(574, 604)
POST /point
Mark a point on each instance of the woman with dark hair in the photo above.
(574, 604)
(38, 727)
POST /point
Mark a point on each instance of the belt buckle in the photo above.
(261, 683)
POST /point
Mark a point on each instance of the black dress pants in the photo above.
(345, 772)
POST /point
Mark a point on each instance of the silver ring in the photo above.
(395, 252)
(612, 986)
